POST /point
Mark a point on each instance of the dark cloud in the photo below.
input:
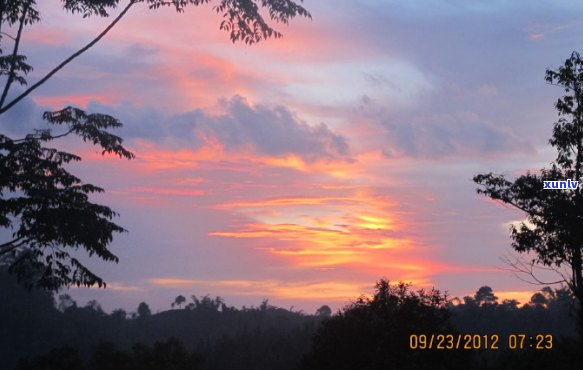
(272, 130)
(447, 123)
(269, 130)
(448, 135)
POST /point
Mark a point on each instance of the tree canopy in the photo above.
(373, 333)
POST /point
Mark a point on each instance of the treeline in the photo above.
(224, 337)
(549, 311)
(376, 332)
(206, 333)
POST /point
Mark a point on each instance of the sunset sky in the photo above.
(304, 169)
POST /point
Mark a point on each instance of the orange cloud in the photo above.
(168, 191)
(152, 157)
(58, 102)
(358, 231)
(287, 201)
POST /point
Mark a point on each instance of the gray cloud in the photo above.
(485, 62)
(436, 136)
(270, 130)
(448, 123)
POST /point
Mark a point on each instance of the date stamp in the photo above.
(480, 341)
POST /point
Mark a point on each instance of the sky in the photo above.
(304, 169)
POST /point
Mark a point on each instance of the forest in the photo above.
(41, 331)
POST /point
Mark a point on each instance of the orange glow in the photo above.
(371, 222)
(58, 102)
(207, 81)
(123, 288)
(48, 36)
(150, 157)
(335, 224)
(171, 282)
(167, 191)
(358, 230)
(287, 201)
(521, 296)
(339, 291)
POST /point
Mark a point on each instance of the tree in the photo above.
(144, 310)
(94, 307)
(45, 208)
(206, 303)
(178, 301)
(538, 299)
(324, 312)
(374, 333)
(485, 296)
(553, 232)
(510, 304)
(119, 314)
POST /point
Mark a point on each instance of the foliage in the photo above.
(228, 338)
(275, 338)
(65, 358)
(49, 208)
(485, 295)
(553, 230)
(169, 354)
(241, 18)
(178, 301)
(373, 333)
(555, 317)
(206, 303)
(46, 209)
(144, 310)
(324, 312)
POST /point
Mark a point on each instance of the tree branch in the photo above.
(8, 35)
(10, 246)
(519, 267)
(14, 54)
(2, 5)
(69, 59)
(47, 138)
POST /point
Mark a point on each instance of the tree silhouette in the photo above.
(178, 301)
(554, 228)
(144, 310)
(206, 303)
(45, 207)
(169, 354)
(538, 299)
(485, 295)
(65, 358)
(49, 209)
(373, 333)
(324, 312)
(119, 314)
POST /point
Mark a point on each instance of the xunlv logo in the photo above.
(568, 184)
